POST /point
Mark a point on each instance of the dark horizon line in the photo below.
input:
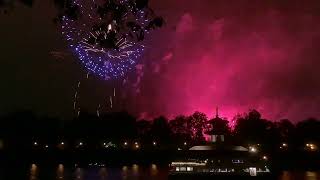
(150, 118)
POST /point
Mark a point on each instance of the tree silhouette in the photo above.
(251, 128)
(198, 124)
(160, 130)
(143, 130)
(18, 130)
(308, 131)
(180, 129)
(286, 130)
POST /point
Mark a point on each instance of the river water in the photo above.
(132, 172)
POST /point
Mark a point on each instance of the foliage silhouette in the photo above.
(22, 128)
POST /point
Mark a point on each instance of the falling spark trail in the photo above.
(76, 97)
(95, 42)
(93, 35)
(111, 103)
(98, 110)
(78, 112)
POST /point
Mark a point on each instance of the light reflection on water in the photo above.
(311, 175)
(99, 173)
(60, 172)
(308, 175)
(33, 172)
(134, 172)
(79, 174)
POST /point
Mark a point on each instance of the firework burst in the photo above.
(107, 36)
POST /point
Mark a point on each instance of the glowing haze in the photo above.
(237, 56)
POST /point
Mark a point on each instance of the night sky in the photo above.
(237, 55)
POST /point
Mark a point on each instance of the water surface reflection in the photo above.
(296, 175)
(99, 173)
(132, 172)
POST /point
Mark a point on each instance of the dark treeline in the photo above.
(24, 128)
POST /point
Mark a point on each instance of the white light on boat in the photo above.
(189, 168)
(187, 163)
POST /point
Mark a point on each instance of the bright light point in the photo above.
(153, 166)
(265, 157)
(46, 146)
(35, 143)
(137, 146)
(62, 143)
(109, 27)
(125, 143)
(154, 143)
(33, 167)
(136, 143)
(284, 145)
(311, 147)
(253, 149)
(80, 144)
(185, 143)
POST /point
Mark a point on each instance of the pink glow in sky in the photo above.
(236, 56)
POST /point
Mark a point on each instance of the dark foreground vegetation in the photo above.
(121, 138)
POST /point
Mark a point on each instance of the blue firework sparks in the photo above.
(107, 36)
